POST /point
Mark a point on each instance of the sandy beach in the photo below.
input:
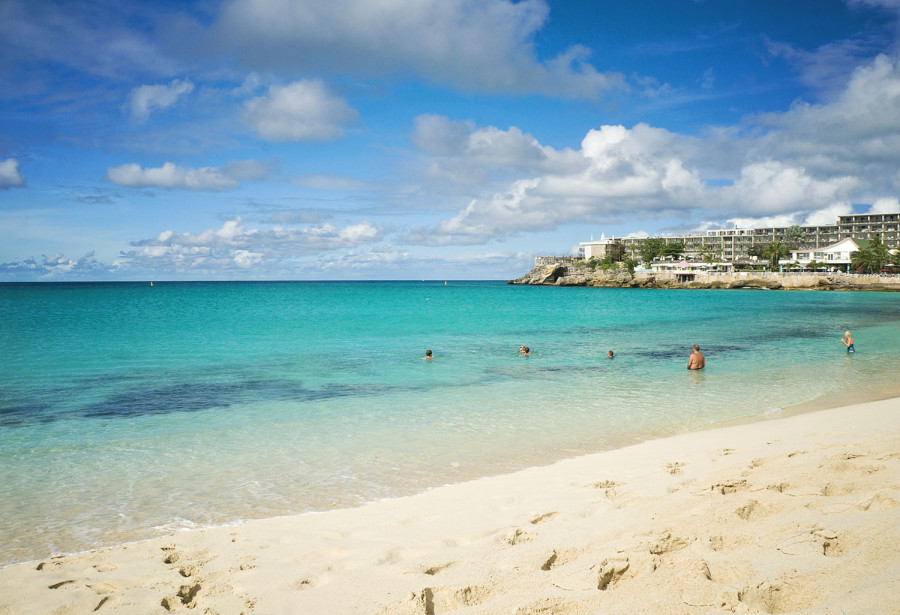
(784, 515)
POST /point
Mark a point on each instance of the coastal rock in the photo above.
(579, 279)
(560, 275)
(542, 274)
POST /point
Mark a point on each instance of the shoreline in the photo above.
(757, 517)
(804, 407)
(560, 274)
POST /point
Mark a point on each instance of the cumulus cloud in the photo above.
(773, 186)
(170, 175)
(10, 176)
(803, 166)
(55, 266)
(146, 99)
(820, 217)
(234, 248)
(464, 154)
(889, 205)
(476, 45)
(617, 169)
(300, 111)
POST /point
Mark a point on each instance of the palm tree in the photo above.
(775, 251)
(880, 254)
(872, 256)
(709, 255)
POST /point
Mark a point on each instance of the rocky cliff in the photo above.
(560, 275)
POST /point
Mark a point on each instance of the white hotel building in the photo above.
(733, 245)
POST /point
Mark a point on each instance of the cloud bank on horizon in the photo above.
(276, 139)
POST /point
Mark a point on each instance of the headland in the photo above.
(564, 274)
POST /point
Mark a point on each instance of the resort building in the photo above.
(733, 245)
(829, 256)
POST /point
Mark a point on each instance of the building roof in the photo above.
(859, 243)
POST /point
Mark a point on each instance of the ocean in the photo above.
(128, 411)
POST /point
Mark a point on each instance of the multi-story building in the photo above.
(733, 245)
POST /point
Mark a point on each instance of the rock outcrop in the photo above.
(542, 275)
(560, 275)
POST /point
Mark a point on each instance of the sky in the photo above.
(427, 139)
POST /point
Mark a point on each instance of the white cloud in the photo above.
(56, 266)
(475, 45)
(169, 175)
(803, 166)
(889, 205)
(465, 155)
(300, 111)
(438, 134)
(773, 187)
(820, 217)
(829, 214)
(615, 171)
(146, 99)
(234, 248)
(10, 176)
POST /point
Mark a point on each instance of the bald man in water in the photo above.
(696, 360)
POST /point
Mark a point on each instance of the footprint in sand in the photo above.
(675, 467)
(729, 486)
(879, 501)
(170, 555)
(433, 570)
(186, 596)
(666, 543)
(611, 571)
(779, 596)
(605, 484)
(104, 567)
(187, 571)
(517, 536)
(544, 517)
(548, 564)
(745, 511)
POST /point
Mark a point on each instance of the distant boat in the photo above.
(151, 283)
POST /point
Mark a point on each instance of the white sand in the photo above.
(787, 515)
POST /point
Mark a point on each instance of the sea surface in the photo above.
(128, 410)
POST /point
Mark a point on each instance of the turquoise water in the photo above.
(127, 411)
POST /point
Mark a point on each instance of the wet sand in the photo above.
(794, 514)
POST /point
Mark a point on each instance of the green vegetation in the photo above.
(775, 251)
(709, 255)
(655, 247)
(872, 256)
(758, 250)
(794, 236)
(605, 264)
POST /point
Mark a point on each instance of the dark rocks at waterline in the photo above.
(620, 277)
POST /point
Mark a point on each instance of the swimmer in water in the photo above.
(848, 341)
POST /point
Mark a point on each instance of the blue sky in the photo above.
(439, 139)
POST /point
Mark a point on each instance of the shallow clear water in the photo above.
(128, 410)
